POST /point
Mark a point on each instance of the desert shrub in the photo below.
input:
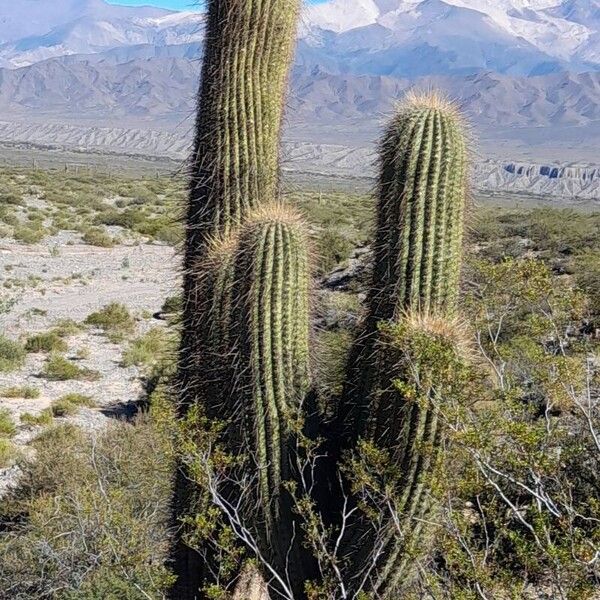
(333, 249)
(66, 328)
(25, 391)
(93, 517)
(58, 368)
(42, 419)
(10, 195)
(8, 455)
(587, 276)
(114, 319)
(98, 237)
(10, 219)
(333, 352)
(29, 235)
(173, 305)
(49, 341)
(7, 425)
(149, 349)
(128, 219)
(69, 404)
(12, 354)
(162, 230)
(521, 493)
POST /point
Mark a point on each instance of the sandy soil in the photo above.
(63, 279)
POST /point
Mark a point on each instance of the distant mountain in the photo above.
(160, 86)
(414, 37)
(35, 30)
(401, 38)
(526, 72)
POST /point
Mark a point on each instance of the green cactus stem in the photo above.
(259, 308)
(418, 246)
(423, 373)
(247, 56)
(235, 162)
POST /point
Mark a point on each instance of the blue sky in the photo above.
(173, 4)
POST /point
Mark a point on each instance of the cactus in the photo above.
(247, 56)
(245, 345)
(257, 285)
(270, 322)
(418, 246)
(422, 368)
(420, 210)
(418, 251)
(234, 168)
(235, 162)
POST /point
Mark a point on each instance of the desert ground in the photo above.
(103, 235)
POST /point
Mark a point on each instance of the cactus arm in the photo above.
(418, 252)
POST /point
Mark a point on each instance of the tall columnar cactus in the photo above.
(258, 352)
(270, 338)
(234, 169)
(235, 163)
(418, 245)
(421, 202)
(393, 395)
(247, 56)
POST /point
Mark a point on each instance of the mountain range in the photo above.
(526, 72)
(375, 37)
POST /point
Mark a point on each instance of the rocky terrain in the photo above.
(63, 280)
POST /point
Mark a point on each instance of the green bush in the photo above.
(49, 341)
(42, 419)
(29, 235)
(149, 349)
(63, 409)
(69, 404)
(7, 425)
(12, 355)
(114, 319)
(98, 237)
(333, 248)
(161, 230)
(58, 368)
(94, 517)
(173, 306)
(8, 455)
(25, 391)
(66, 328)
(10, 196)
(10, 219)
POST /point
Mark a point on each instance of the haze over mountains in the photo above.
(527, 72)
